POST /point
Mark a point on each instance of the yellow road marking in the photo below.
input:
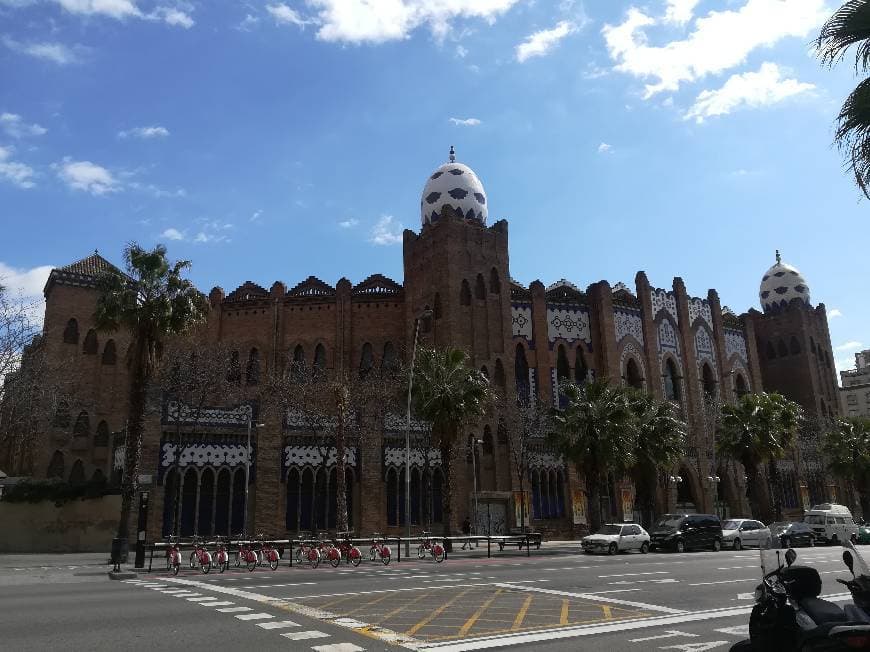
(432, 616)
(521, 614)
(400, 608)
(607, 614)
(369, 603)
(563, 619)
(477, 614)
(332, 603)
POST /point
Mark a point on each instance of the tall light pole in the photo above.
(475, 442)
(423, 315)
(248, 464)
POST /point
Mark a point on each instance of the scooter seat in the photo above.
(822, 611)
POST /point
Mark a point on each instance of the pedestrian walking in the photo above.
(466, 530)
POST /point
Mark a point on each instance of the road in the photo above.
(557, 600)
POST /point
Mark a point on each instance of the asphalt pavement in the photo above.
(560, 599)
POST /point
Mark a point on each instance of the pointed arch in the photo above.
(299, 354)
(794, 347)
(633, 377)
(170, 490)
(521, 374)
(61, 414)
(498, 375)
(580, 369)
(319, 358)
(479, 287)
(465, 293)
(102, 436)
(708, 382)
(252, 371)
(205, 515)
(82, 427)
(91, 345)
(55, 466)
(366, 360)
(77, 473)
(306, 500)
(781, 348)
(294, 484)
(488, 447)
(188, 503)
(740, 386)
(71, 332)
(770, 351)
(98, 477)
(673, 390)
(237, 509)
(222, 503)
(392, 497)
(485, 371)
(234, 373)
(110, 353)
(389, 361)
(494, 281)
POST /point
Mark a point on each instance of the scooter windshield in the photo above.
(862, 561)
(772, 556)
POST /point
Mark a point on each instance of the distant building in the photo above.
(855, 390)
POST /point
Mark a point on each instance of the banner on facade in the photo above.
(805, 496)
(578, 507)
(521, 515)
(627, 506)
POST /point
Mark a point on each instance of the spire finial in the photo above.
(778, 257)
(452, 155)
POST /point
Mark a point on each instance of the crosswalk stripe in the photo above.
(233, 610)
(301, 636)
(220, 603)
(206, 599)
(187, 594)
(254, 616)
(338, 647)
(278, 624)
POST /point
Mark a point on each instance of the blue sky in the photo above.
(272, 140)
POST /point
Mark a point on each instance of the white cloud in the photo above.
(721, 40)
(87, 176)
(55, 52)
(364, 21)
(172, 234)
(834, 313)
(751, 89)
(118, 9)
(349, 224)
(172, 16)
(387, 231)
(467, 122)
(145, 133)
(540, 43)
(26, 282)
(604, 148)
(248, 23)
(157, 191)
(285, 15)
(680, 11)
(851, 345)
(15, 172)
(461, 51)
(14, 126)
(256, 216)
(204, 237)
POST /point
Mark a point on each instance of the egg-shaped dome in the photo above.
(781, 284)
(455, 185)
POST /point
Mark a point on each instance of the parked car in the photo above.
(863, 534)
(739, 533)
(792, 535)
(681, 532)
(831, 523)
(617, 537)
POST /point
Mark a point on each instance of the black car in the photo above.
(681, 532)
(791, 535)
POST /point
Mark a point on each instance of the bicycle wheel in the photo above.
(334, 559)
(205, 566)
(372, 553)
(355, 556)
(438, 553)
(273, 560)
(314, 558)
(193, 560)
(252, 562)
(175, 567)
(421, 551)
(222, 565)
(238, 559)
(385, 555)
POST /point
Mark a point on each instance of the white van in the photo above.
(831, 523)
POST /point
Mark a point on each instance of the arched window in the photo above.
(498, 376)
(740, 385)
(771, 352)
(794, 346)
(292, 513)
(82, 427)
(485, 371)
(188, 503)
(487, 441)
(465, 293)
(521, 373)
(91, 346)
(437, 496)
(494, 281)
(392, 497)
(299, 354)
(77, 473)
(563, 369)
(55, 466)
(61, 414)
(234, 373)
(580, 370)
(252, 372)
(437, 309)
(71, 332)
(672, 382)
(206, 506)
(535, 482)
(479, 288)
(306, 501)
(110, 355)
(389, 361)
(98, 477)
(320, 358)
(632, 375)
(708, 382)
(222, 503)
(102, 437)
(781, 348)
(366, 360)
(170, 490)
(237, 513)
(320, 500)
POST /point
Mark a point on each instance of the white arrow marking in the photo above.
(670, 633)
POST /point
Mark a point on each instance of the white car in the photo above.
(617, 537)
(739, 533)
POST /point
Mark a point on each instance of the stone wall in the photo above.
(77, 526)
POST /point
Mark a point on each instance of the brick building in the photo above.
(855, 390)
(686, 349)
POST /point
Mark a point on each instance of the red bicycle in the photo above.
(268, 552)
(308, 551)
(221, 557)
(247, 554)
(328, 550)
(348, 550)
(379, 549)
(200, 556)
(427, 544)
(173, 555)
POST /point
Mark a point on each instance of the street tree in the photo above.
(848, 26)
(846, 447)
(152, 302)
(757, 431)
(451, 395)
(594, 429)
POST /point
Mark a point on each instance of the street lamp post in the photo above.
(474, 444)
(423, 315)
(248, 464)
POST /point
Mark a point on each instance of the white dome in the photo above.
(780, 285)
(455, 185)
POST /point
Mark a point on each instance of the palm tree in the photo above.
(759, 429)
(850, 25)
(847, 449)
(449, 394)
(660, 445)
(152, 302)
(595, 430)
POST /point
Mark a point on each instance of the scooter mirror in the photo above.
(850, 563)
(790, 556)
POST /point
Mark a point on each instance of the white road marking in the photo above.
(591, 596)
(233, 610)
(695, 647)
(259, 616)
(740, 630)
(186, 594)
(668, 580)
(301, 636)
(414, 588)
(737, 567)
(601, 577)
(614, 591)
(205, 599)
(338, 647)
(278, 624)
(279, 586)
(751, 579)
(219, 603)
(746, 596)
(670, 633)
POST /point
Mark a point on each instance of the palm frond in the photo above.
(850, 25)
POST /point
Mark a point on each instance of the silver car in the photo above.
(739, 533)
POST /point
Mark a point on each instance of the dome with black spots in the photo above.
(781, 284)
(455, 185)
